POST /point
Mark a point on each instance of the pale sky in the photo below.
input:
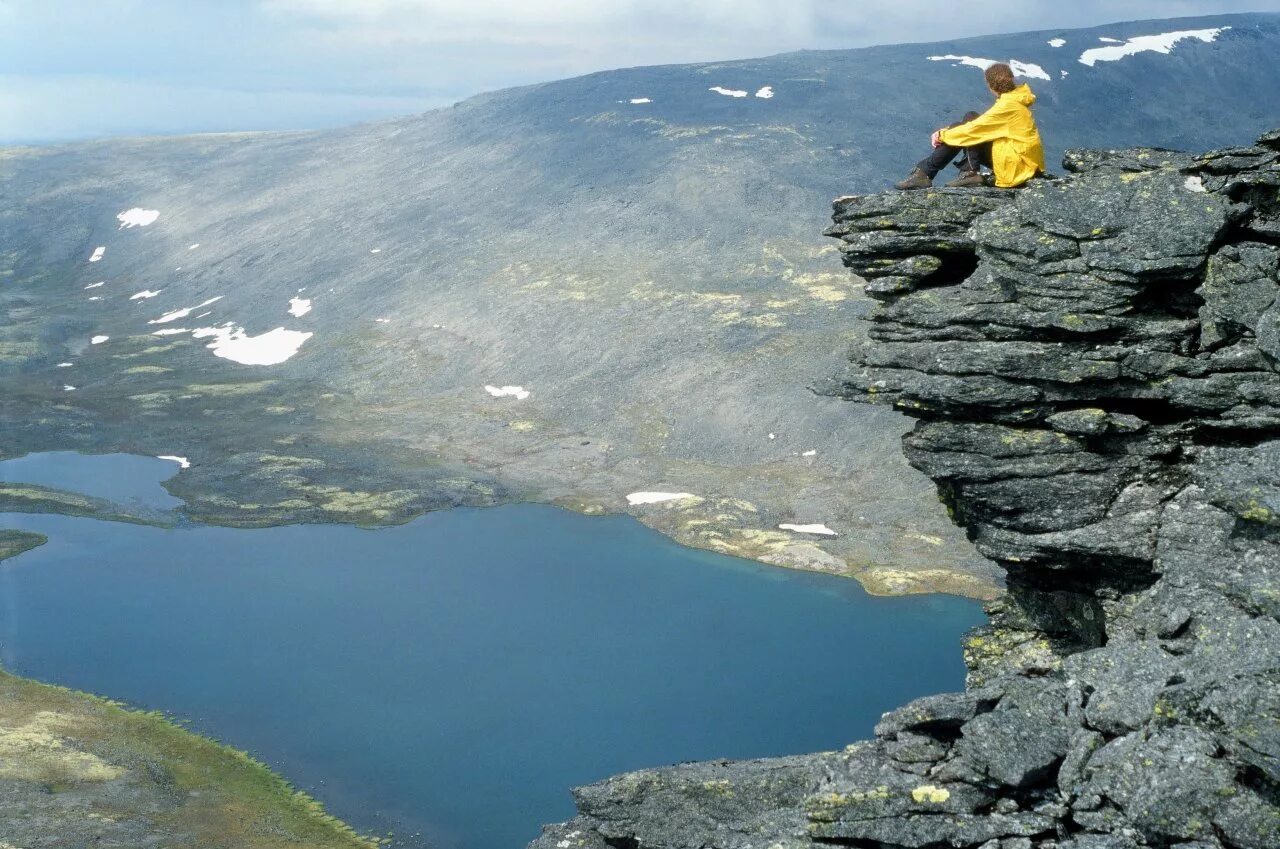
(89, 68)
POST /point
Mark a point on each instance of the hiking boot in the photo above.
(917, 180)
(967, 180)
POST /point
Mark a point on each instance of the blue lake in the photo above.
(123, 478)
(450, 679)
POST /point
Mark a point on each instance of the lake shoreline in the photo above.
(104, 772)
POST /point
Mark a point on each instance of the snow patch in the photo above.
(64, 365)
(1195, 184)
(374, 251)
(728, 92)
(517, 392)
(298, 307)
(98, 340)
(68, 388)
(383, 320)
(97, 254)
(171, 331)
(183, 462)
(809, 454)
(639, 100)
(96, 298)
(1162, 43)
(137, 217)
(193, 247)
(1057, 42)
(144, 294)
(182, 313)
(1106, 40)
(638, 498)
(267, 349)
(1020, 69)
(1065, 74)
(819, 530)
(96, 285)
(765, 93)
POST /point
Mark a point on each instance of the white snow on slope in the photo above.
(183, 462)
(1020, 69)
(65, 365)
(98, 340)
(820, 530)
(1162, 43)
(137, 217)
(193, 247)
(1106, 40)
(765, 93)
(97, 254)
(144, 294)
(639, 100)
(298, 307)
(728, 92)
(1057, 42)
(182, 313)
(638, 498)
(517, 392)
(96, 285)
(68, 388)
(267, 349)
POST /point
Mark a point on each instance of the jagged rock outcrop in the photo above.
(1095, 365)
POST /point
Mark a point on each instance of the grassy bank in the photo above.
(13, 543)
(77, 769)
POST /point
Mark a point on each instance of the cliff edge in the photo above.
(1095, 366)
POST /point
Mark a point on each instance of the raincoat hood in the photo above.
(1022, 94)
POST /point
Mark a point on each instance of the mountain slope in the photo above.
(648, 272)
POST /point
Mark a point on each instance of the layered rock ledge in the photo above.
(1095, 366)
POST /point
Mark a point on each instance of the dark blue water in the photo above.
(452, 678)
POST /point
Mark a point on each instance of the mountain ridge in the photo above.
(647, 272)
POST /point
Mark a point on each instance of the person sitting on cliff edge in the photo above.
(1004, 138)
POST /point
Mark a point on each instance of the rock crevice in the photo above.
(1094, 363)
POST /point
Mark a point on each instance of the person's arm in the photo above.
(989, 126)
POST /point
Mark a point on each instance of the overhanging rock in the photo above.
(1095, 364)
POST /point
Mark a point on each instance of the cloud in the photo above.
(88, 68)
(565, 37)
(570, 36)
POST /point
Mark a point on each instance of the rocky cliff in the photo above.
(1094, 362)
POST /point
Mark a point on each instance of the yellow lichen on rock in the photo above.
(930, 794)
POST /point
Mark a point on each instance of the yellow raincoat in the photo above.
(1016, 152)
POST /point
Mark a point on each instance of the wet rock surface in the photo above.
(1094, 362)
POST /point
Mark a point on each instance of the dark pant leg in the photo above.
(977, 155)
(944, 154)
